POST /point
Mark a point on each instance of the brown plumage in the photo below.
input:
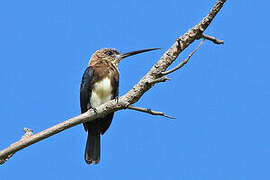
(100, 84)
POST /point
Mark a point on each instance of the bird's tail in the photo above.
(92, 150)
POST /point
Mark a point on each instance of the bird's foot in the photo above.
(94, 109)
(117, 99)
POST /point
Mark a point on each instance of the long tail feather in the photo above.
(92, 150)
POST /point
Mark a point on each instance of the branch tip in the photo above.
(213, 39)
(149, 111)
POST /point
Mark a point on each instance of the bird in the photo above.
(99, 84)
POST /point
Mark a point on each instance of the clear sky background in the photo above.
(220, 98)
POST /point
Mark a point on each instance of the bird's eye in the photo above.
(109, 53)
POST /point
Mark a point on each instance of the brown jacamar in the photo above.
(99, 84)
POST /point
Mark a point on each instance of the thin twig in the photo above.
(213, 39)
(149, 111)
(183, 62)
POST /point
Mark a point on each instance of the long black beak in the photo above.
(124, 55)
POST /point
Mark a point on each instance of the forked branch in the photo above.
(184, 61)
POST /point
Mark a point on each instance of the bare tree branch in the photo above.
(183, 62)
(27, 133)
(213, 39)
(131, 97)
(149, 111)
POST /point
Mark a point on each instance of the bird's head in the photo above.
(113, 55)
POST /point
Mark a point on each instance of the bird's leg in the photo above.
(117, 99)
(94, 109)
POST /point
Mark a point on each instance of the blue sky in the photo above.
(220, 98)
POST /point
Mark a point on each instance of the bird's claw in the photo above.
(94, 109)
(117, 99)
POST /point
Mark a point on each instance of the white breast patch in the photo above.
(101, 92)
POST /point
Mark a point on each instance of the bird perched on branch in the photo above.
(99, 84)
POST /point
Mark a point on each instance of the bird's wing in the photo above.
(116, 84)
(85, 90)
